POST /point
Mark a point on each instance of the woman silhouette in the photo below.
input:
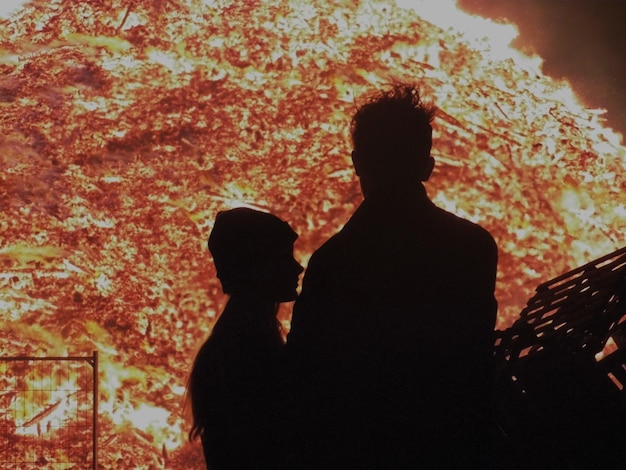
(236, 388)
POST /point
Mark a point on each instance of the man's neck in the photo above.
(397, 192)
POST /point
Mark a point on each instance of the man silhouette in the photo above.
(394, 328)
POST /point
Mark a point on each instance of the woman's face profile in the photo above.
(283, 274)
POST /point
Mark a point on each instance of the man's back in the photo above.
(395, 326)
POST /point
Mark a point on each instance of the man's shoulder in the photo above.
(330, 249)
(461, 223)
(466, 230)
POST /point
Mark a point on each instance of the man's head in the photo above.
(392, 137)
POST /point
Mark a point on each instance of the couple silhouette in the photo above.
(388, 362)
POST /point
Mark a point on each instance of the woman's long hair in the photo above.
(197, 396)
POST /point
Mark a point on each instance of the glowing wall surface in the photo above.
(125, 126)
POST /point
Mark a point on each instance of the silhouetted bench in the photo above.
(561, 372)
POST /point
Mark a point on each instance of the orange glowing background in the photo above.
(125, 126)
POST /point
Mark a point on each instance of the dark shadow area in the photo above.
(581, 41)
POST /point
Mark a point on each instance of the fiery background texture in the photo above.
(126, 125)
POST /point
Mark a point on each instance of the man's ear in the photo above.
(357, 163)
(426, 168)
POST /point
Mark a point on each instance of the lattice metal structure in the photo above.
(561, 398)
(48, 412)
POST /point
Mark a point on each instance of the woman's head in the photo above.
(253, 254)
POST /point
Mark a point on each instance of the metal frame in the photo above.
(91, 360)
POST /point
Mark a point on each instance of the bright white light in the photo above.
(8, 7)
(447, 15)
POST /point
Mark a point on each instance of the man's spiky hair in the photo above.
(390, 121)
